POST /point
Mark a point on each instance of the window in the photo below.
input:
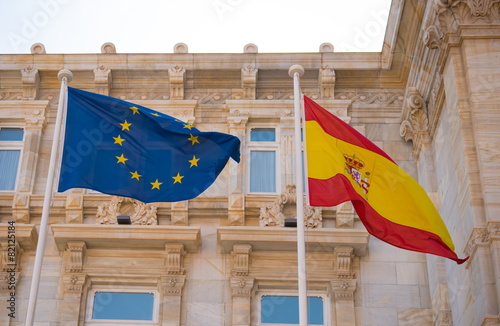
(127, 307)
(11, 143)
(263, 153)
(284, 310)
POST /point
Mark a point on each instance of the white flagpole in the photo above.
(65, 76)
(296, 71)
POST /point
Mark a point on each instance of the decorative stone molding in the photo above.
(452, 13)
(415, 121)
(249, 81)
(327, 82)
(38, 48)
(35, 119)
(102, 80)
(241, 259)
(241, 287)
(30, 79)
(433, 37)
(285, 207)
(179, 212)
(181, 48)
(74, 209)
(250, 48)
(343, 289)
(175, 258)
(326, 48)
(345, 256)
(139, 212)
(172, 285)
(385, 97)
(344, 219)
(21, 208)
(73, 283)
(480, 237)
(177, 77)
(76, 250)
(108, 48)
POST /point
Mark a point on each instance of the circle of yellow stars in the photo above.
(135, 175)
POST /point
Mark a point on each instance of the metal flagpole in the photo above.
(296, 71)
(65, 76)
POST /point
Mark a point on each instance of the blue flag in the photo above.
(125, 149)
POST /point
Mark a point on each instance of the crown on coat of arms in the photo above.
(353, 162)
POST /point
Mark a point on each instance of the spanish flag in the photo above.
(343, 165)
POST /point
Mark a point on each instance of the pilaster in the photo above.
(172, 297)
(241, 292)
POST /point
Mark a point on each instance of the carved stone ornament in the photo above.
(172, 285)
(452, 13)
(327, 82)
(30, 78)
(416, 119)
(108, 48)
(139, 212)
(285, 207)
(433, 36)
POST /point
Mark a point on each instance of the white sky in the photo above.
(206, 26)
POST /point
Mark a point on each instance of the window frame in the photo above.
(294, 293)
(263, 146)
(134, 289)
(13, 145)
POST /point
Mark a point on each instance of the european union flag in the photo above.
(125, 149)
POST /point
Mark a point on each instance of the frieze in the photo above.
(371, 97)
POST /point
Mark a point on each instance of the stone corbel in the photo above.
(76, 258)
(241, 259)
(30, 79)
(21, 208)
(175, 258)
(177, 77)
(415, 121)
(327, 82)
(102, 79)
(74, 209)
(249, 81)
(345, 256)
(179, 212)
(172, 285)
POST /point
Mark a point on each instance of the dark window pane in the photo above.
(123, 306)
(11, 134)
(263, 134)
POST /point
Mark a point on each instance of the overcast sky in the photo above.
(206, 26)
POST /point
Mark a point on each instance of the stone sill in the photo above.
(285, 239)
(26, 235)
(98, 236)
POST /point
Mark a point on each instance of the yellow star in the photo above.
(178, 178)
(156, 184)
(135, 175)
(121, 159)
(194, 161)
(136, 110)
(187, 126)
(119, 140)
(194, 139)
(155, 114)
(125, 125)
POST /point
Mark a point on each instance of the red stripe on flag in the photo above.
(338, 189)
(338, 128)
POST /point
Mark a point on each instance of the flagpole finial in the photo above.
(296, 69)
(65, 73)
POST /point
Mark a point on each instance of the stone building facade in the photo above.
(430, 99)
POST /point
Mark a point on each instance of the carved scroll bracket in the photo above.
(175, 258)
(327, 82)
(177, 77)
(102, 79)
(415, 121)
(139, 212)
(30, 79)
